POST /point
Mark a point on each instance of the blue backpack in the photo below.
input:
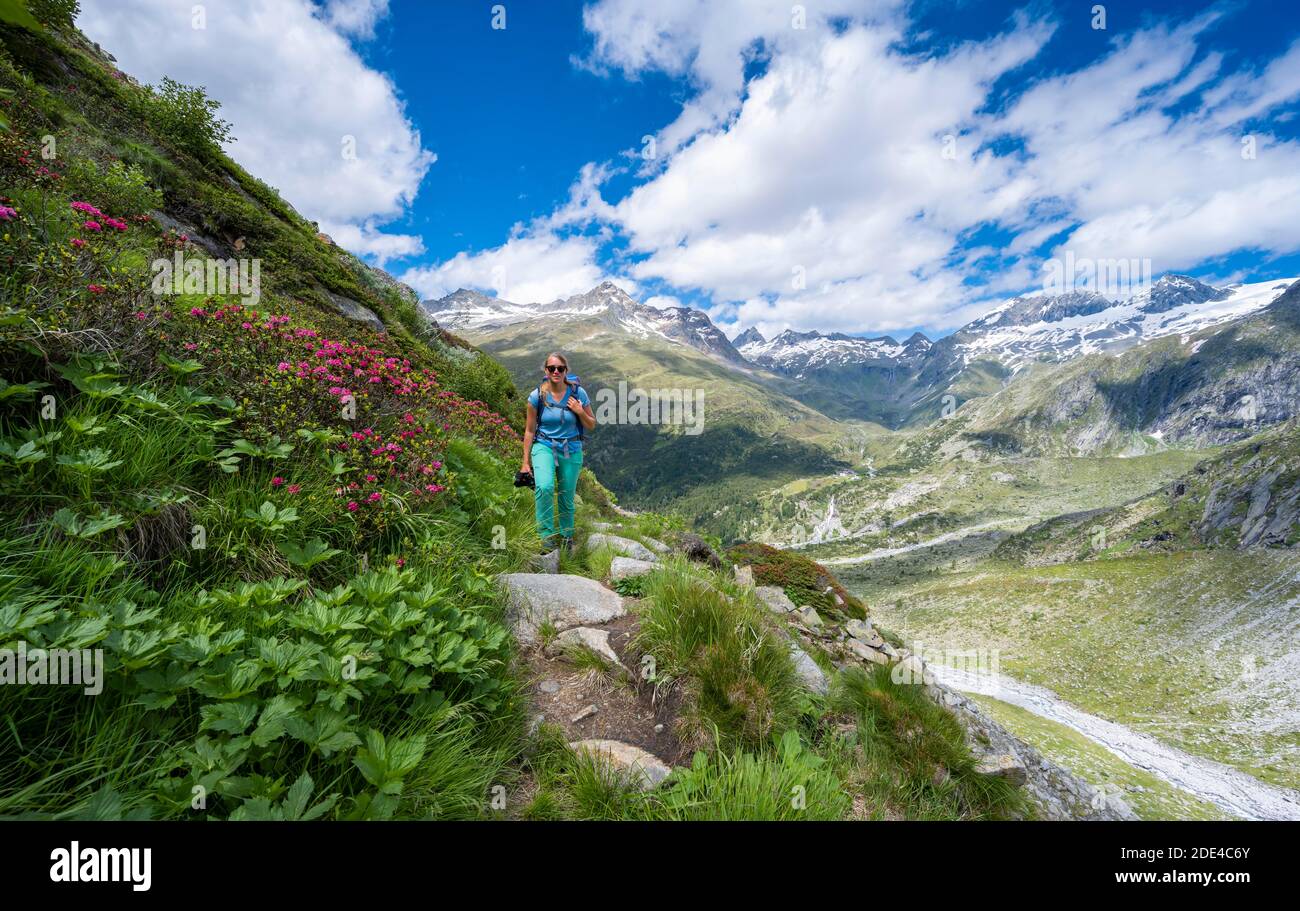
(574, 385)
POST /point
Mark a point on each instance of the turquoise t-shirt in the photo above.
(558, 424)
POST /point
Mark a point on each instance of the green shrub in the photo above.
(56, 13)
(120, 189)
(186, 117)
(593, 493)
(631, 587)
(805, 581)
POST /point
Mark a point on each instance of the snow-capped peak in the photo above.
(471, 312)
(798, 352)
(1058, 327)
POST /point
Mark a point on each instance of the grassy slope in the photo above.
(1206, 506)
(1191, 647)
(874, 749)
(901, 505)
(180, 499)
(1114, 602)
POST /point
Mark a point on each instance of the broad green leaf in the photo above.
(230, 717)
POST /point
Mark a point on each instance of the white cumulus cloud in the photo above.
(298, 96)
(843, 186)
(527, 268)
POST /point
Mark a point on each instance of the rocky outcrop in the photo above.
(1055, 792)
(353, 310)
(1058, 793)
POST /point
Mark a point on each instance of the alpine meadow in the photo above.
(857, 411)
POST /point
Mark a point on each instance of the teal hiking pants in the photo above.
(556, 475)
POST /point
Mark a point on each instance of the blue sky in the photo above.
(523, 120)
(873, 166)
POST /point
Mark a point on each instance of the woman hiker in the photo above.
(559, 412)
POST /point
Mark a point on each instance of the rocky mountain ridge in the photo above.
(898, 384)
(1212, 387)
(476, 313)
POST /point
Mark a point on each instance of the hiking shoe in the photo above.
(568, 546)
(548, 545)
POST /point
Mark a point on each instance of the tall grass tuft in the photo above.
(739, 679)
(790, 783)
(911, 758)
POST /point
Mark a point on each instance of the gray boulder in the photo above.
(864, 632)
(547, 563)
(564, 601)
(625, 546)
(1004, 765)
(775, 598)
(809, 673)
(626, 568)
(866, 652)
(597, 640)
(658, 547)
(809, 617)
(645, 770)
(353, 310)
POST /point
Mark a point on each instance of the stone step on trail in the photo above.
(548, 562)
(635, 765)
(624, 546)
(597, 640)
(628, 567)
(562, 600)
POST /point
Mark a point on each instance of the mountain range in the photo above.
(882, 380)
(474, 313)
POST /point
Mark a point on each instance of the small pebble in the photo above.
(585, 713)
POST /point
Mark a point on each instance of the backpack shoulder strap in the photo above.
(573, 391)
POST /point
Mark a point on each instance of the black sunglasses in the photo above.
(556, 368)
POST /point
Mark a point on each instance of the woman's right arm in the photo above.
(530, 431)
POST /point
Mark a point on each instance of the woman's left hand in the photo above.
(575, 406)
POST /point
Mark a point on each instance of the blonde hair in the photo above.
(556, 354)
